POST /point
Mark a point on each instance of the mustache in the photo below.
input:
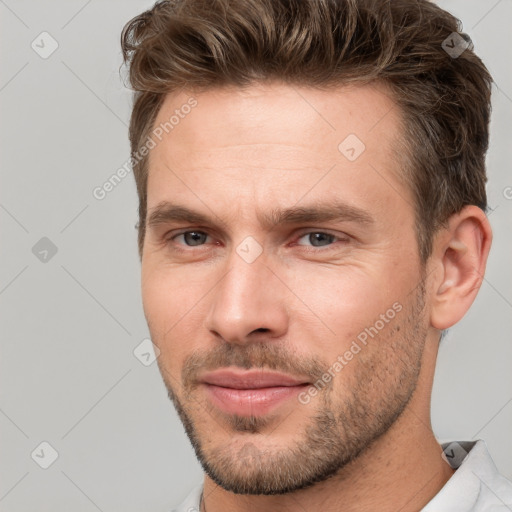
(270, 356)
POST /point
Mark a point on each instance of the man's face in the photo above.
(288, 342)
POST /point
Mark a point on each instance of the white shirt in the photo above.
(476, 485)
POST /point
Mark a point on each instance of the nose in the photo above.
(248, 301)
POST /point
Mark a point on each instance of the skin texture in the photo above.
(364, 441)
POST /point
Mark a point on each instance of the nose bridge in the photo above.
(246, 299)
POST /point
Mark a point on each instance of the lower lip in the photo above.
(251, 402)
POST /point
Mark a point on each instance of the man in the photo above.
(312, 206)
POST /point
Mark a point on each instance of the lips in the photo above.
(254, 379)
(250, 393)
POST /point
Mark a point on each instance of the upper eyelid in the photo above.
(307, 231)
(170, 236)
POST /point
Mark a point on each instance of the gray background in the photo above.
(70, 324)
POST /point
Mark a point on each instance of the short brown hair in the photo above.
(444, 98)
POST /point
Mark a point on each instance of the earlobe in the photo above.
(461, 250)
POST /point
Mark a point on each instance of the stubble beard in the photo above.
(336, 434)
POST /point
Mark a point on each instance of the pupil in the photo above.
(320, 237)
(194, 238)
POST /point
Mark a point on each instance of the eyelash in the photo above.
(170, 240)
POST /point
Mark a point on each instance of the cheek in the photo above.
(346, 308)
(171, 306)
(168, 293)
(345, 299)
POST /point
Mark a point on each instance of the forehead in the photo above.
(269, 113)
(274, 137)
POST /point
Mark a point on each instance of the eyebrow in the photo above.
(166, 213)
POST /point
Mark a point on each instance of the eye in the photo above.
(191, 238)
(318, 239)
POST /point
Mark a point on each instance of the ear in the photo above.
(460, 251)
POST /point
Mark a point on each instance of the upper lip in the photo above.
(251, 379)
